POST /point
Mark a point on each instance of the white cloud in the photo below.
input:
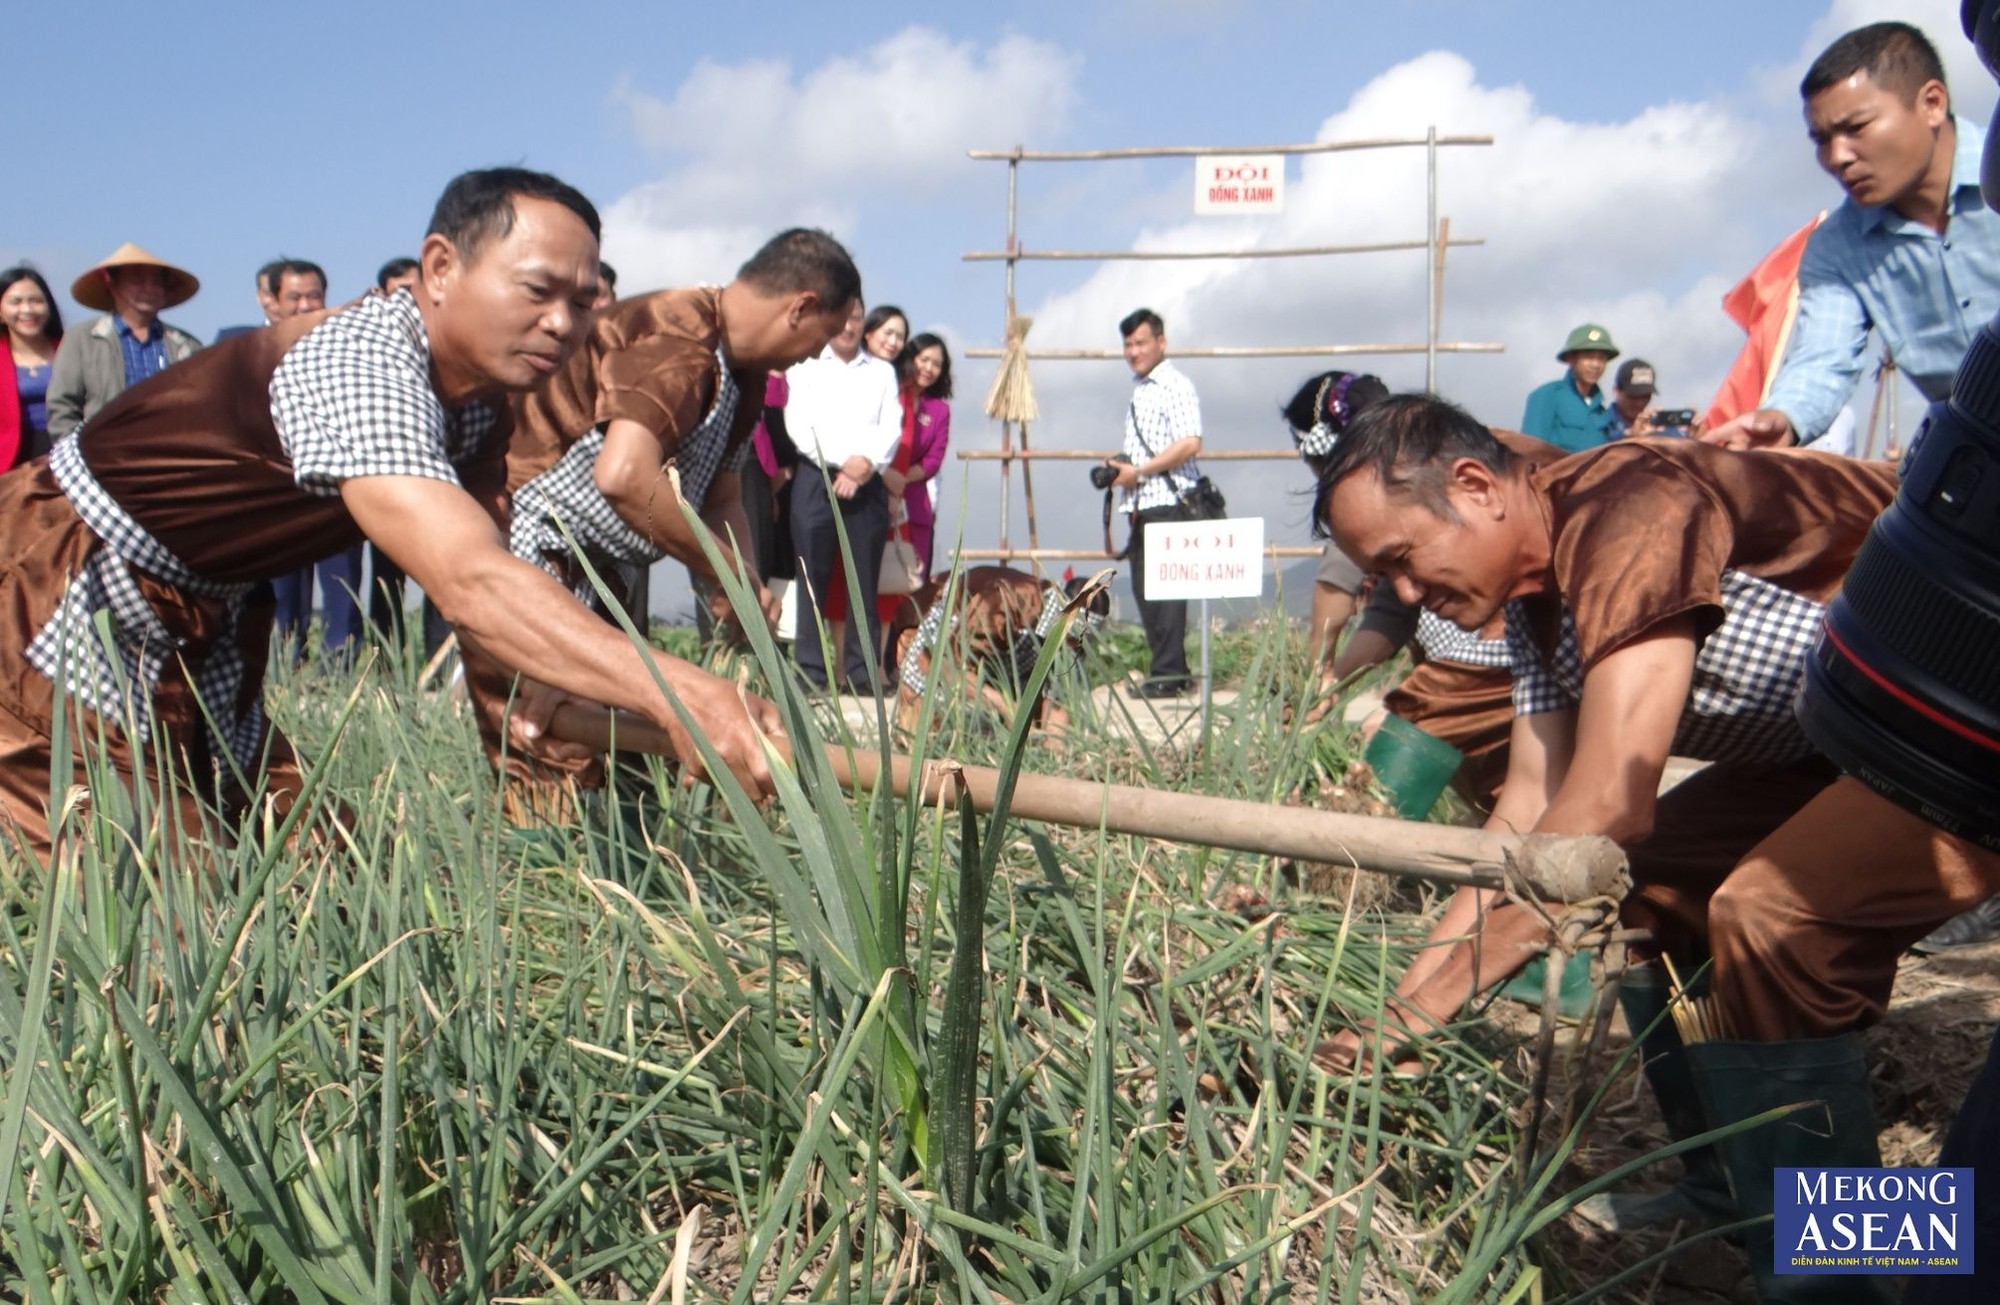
(754, 146)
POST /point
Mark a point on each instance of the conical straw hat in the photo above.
(92, 290)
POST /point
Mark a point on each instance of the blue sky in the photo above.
(326, 130)
(1647, 155)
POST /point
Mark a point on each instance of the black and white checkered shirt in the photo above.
(1444, 642)
(351, 398)
(1164, 408)
(1746, 674)
(354, 398)
(567, 493)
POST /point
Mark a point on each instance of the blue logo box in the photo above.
(1872, 1221)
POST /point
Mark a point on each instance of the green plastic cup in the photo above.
(1412, 765)
(1572, 998)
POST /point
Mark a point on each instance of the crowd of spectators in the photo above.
(865, 424)
(850, 448)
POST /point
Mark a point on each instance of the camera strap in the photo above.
(1174, 475)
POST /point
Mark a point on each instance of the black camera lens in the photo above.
(1102, 476)
(1903, 690)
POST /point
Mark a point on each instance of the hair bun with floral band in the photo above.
(1339, 397)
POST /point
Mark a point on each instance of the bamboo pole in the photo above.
(1099, 455)
(1554, 868)
(1444, 242)
(1259, 351)
(1172, 255)
(1432, 265)
(1097, 554)
(1028, 495)
(1017, 154)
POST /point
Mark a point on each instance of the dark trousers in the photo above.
(292, 596)
(816, 545)
(341, 579)
(1165, 622)
(768, 511)
(385, 596)
(339, 583)
(436, 629)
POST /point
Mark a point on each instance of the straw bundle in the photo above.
(1012, 397)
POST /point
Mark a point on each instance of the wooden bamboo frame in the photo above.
(1191, 255)
(1437, 239)
(1019, 155)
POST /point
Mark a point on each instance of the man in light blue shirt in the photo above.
(1913, 253)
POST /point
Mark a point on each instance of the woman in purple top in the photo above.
(33, 328)
(925, 372)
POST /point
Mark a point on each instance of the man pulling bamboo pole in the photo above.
(1551, 868)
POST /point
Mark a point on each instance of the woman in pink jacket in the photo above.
(925, 371)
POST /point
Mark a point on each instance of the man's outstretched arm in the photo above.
(522, 618)
(1594, 771)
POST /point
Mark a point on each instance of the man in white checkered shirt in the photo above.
(161, 521)
(1661, 597)
(1162, 437)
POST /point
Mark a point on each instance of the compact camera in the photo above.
(1672, 419)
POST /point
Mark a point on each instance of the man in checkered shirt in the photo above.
(1661, 597)
(135, 558)
(655, 410)
(1162, 436)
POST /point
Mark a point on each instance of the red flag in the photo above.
(1763, 304)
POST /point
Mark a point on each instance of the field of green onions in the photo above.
(681, 1049)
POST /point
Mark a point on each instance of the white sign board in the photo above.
(1238, 183)
(1205, 559)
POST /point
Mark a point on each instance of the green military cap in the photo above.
(1588, 336)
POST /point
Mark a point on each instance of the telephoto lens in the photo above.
(1903, 690)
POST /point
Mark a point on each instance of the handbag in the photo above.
(902, 570)
(1203, 501)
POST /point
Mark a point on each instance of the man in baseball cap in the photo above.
(126, 345)
(1632, 396)
(1569, 411)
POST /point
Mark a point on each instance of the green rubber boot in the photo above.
(1701, 1197)
(1738, 1080)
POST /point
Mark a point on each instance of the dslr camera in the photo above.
(1101, 476)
